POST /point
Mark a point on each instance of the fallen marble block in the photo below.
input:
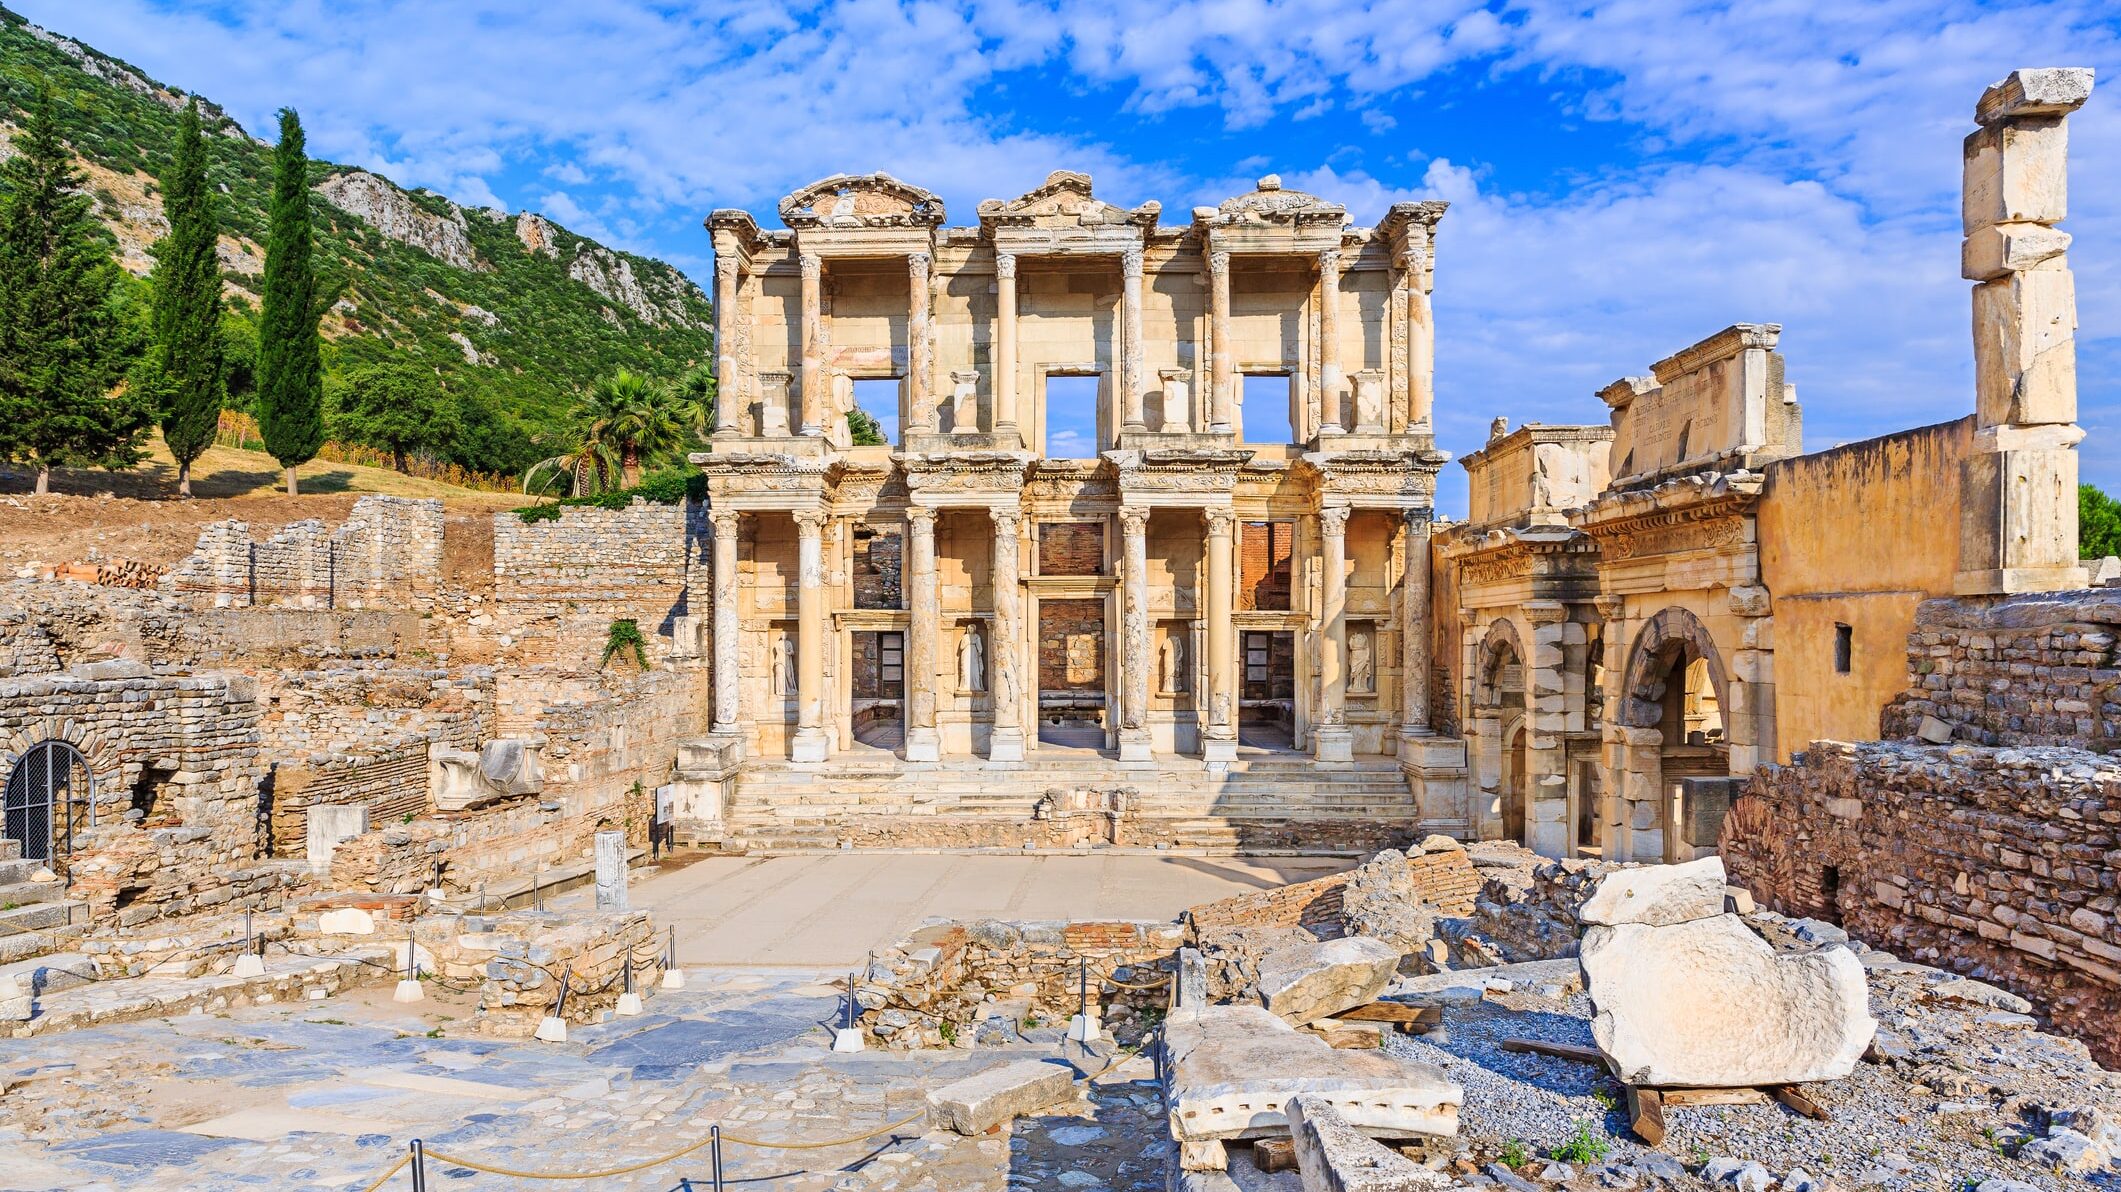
(1333, 1156)
(1657, 895)
(1708, 1004)
(1230, 1071)
(1565, 976)
(1305, 982)
(984, 1100)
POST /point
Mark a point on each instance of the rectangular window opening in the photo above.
(1071, 416)
(874, 419)
(1266, 408)
(1844, 648)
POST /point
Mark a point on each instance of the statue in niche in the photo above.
(1362, 667)
(1171, 660)
(972, 660)
(964, 403)
(784, 680)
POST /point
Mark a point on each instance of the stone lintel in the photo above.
(2035, 91)
(1725, 344)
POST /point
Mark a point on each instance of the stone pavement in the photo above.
(829, 910)
(325, 1095)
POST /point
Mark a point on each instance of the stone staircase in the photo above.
(778, 806)
(36, 918)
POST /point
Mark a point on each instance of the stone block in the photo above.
(1934, 731)
(1708, 1004)
(980, 1102)
(2015, 173)
(2035, 91)
(2025, 357)
(611, 870)
(510, 766)
(2018, 522)
(346, 920)
(1333, 1156)
(326, 825)
(1658, 895)
(1305, 982)
(1992, 251)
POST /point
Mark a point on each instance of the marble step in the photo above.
(42, 916)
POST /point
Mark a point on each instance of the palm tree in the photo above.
(623, 419)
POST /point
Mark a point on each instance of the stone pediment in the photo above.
(1270, 203)
(1064, 201)
(861, 201)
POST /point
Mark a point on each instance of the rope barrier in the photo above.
(395, 1168)
(1159, 983)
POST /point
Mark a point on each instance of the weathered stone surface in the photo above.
(1708, 1004)
(981, 1102)
(1658, 895)
(1233, 1069)
(346, 920)
(1334, 1156)
(1303, 983)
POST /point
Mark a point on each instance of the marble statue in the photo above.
(1362, 667)
(1172, 659)
(972, 661)
(784, 681)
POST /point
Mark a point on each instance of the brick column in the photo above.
(811, 744)
(923, 622)
(1005, 349)
(1330, 740)
(1221, 379)
(813, 366)
(1332, 379)
(1005, 683)
(1130, 348)
(726, 683)
(1221, 741)
(920, 347)
(727, 391)
(1134, 659)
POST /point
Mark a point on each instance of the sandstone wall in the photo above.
(2031, 670)
(2001, 863)
(387, 554)
(558, 585)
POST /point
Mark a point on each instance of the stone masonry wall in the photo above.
(2004, 864)
(387, 554)
(1446, 879)
(2031, 670)
(560, 584)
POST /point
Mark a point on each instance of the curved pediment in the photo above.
(861, 201)
(1064, 199)
(1270, 202)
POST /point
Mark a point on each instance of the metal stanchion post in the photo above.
(419, 1167)
(673, 976)
(408, 989)
(849, 1036)
(537, 896)
(251, 961)
(715, 1149)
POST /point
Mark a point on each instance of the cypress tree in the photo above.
(290, 355)
(63, 344)
(187, 314)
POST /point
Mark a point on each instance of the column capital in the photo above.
(1135, 518)
(1005, 265)
(1006, 520)
(725, 266)
(812, 264)
(723, 520)
(1545, 612)
(1610, 608)
(1218, 262)
(1130, 261)
(1329, 260)
(921, 518)
(811, 521)
(1420, 518)
(1219, 521)
(1333, 520)
(917, 263)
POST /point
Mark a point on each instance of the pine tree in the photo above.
(290, 355)
(63, 340)
(187, 325)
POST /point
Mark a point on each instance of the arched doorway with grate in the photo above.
(49, 796)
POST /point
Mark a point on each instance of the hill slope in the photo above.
(513, 311)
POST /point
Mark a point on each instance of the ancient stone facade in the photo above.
(387, 551)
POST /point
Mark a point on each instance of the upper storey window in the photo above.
(1073, 421)
(874, 418)
(1268, 398)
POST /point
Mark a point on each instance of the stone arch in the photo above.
(1665, 638)
(48, 794)
(1502, 647)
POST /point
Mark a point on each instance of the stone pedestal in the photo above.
(611, 870)
(327, 826)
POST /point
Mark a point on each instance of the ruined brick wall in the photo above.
(1071, 548)
(1265, 550)
(558, 585)
(878, 571)
(2001, 863)
(1071, 646)
(2030, 670)
(1445, 879)
(387, 554)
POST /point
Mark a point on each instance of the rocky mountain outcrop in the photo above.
(658, 300)
(382, 206)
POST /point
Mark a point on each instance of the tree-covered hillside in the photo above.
(515, 314)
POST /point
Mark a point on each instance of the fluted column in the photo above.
(1221, 363)
(1006, 684)
(1332, 378)
(726, 306)
(1005, 348)
(1135, 660)
(1130, 352)
(1221, 741)
(813, 367)
(1414, 630)
(920, 346)
(810, 741)
(726, 684)
(923, 623)
(1331, 740)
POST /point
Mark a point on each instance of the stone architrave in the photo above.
(1304, 982)
(1333, 1156)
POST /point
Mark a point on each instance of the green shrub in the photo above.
(625, 636)
(1583, 1147)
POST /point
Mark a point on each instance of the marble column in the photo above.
(813, 366)
(1221, 738)
(1331, 740)
(1421, 346)
(1005, 349)
(1135, 659)
(920, 347)
(1546, 779)
(1414, 630)
(1131, 357)
(1005, 673)
(811, 744)
(923, 623)
(1332, 378)
(727, 392)
(726, 679)
(1222, 379)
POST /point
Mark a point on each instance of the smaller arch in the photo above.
(50, 792)
(1498, 651)
(1665, 638)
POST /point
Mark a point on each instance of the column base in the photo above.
(1333, 743)
(923, 745)
(1006, 745)
(1218, 749)
(1134, 745)
(810, 745)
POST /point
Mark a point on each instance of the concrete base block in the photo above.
(1085, 1028)
(629, 1005)
(250, 964)
(673, 978)
(979, 1103)
(408, 990)
(551, 1030)
(847, 1038)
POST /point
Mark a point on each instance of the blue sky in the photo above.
(1625, 177)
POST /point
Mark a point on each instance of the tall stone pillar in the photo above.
(1130, 350)
(1135, 659)
(1332, 378)
(1421, 345)
(1331, 740)
(2018, 511)
(923, 623)
(1221, 740)
(726, 308)
(1546, 781)
(726, 679)
(920, 346)
(1005, 349)
(1006, 681)
(1222, 378)
(1414, 630)
(813, 366)
(811, 744)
